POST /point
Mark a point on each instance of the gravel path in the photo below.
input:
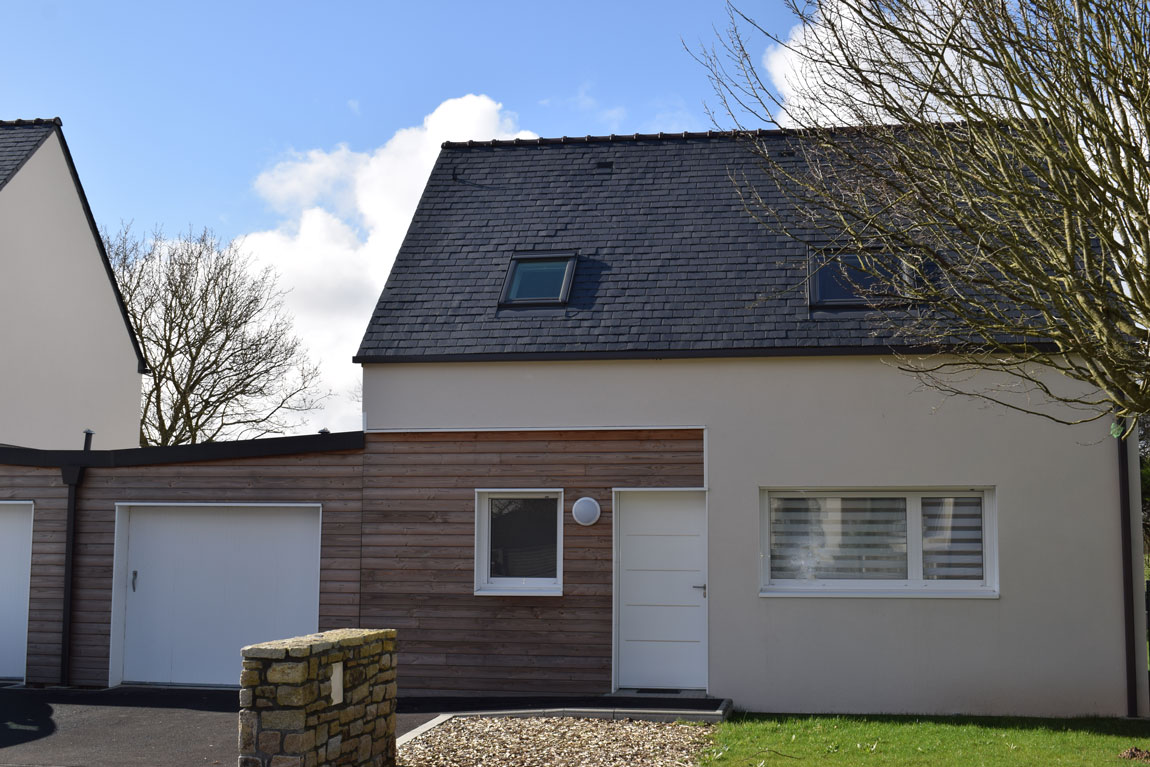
(555, 742)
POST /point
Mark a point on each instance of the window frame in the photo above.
(571, 257)
(821, 259)
(485, 585)
(821, 262)
(913, 587)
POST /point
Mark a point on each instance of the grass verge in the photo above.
(752, 740)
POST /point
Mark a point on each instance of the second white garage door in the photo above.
(15, 572)
(200, 582)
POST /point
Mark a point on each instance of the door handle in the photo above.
(137, 572)
(704, 588)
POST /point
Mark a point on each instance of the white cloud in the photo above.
(672, 116)
(346, 213)
(812, 90)
(613, 118)
(788, 70)
(315, 177)
(666, 114)
(610, 119)
(583, 99)
(809, 71)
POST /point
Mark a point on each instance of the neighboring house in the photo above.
(614, 441)
(71, 359)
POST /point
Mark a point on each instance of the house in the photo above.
(618, 283)
(611, 442)
(72, 361)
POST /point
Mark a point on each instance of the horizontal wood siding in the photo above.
(397, 548)
(419, 544)
(49, 495)
(333, 480)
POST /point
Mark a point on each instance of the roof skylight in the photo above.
(538, 278)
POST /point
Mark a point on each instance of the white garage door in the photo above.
(15, 575)
(203, 581)
(662, 544)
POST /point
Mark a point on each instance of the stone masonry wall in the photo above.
(321, 699)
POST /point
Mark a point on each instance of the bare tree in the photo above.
(225, 363)
(994, 181)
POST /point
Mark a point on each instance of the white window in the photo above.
(924, 543)
(519, 542)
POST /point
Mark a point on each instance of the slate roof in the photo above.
(670, 264)
(18, 140)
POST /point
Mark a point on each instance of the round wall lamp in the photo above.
(585, 510)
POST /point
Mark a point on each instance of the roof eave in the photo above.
(204, 451)
(649, 354)
(141, 363)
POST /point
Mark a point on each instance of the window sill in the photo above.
(501, 591)
(908, 593)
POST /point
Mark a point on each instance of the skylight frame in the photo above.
(823, 265)
(571, 257)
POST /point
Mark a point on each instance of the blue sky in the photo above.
(308, 128)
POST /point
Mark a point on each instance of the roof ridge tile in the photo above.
(589, 139)
(20, 122)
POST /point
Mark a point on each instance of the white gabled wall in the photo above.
(1052, 644)
(68, 361)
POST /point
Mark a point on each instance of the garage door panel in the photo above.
(210, 580)
(15, 580)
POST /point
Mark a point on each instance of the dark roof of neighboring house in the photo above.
(19, 140)
(670, 263)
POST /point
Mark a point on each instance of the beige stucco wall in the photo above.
(66, 359)
(1051, 644)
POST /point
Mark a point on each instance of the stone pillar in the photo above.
(321, 699)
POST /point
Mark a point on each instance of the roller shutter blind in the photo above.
(839, 538)
(952, 542)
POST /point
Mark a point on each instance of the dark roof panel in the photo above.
(669, 261)
(19, 139)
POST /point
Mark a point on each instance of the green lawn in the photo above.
(767, 740)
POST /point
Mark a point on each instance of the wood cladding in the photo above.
(419, 547)
(397, 547)
(331, 479)
(46, 489)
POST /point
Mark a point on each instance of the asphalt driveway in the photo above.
(156, 727)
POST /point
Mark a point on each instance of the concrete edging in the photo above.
(413, 734)
(641, 714)
(645, 715)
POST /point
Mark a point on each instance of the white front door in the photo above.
(662, 574)
(203, 581)
(15, 579)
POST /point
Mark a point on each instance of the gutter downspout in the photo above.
(72, 476)
(1127, 577)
